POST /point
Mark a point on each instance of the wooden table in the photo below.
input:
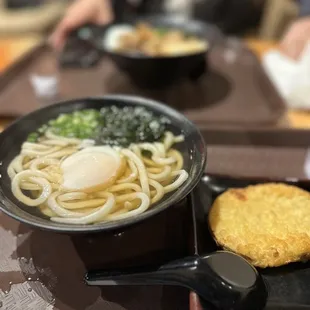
(11, 48)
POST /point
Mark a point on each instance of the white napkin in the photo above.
(44, 86)
(291, 78)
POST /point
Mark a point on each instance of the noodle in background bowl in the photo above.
(11, 139)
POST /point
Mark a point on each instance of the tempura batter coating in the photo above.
(269, 224)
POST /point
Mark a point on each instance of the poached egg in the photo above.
(92, 169)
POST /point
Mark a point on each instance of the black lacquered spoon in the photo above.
(223, 279)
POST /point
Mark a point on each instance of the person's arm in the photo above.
(298, 33)
(79, 13)
(304, 8)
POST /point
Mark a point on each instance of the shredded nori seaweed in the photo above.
(115, 126)
(126, 125)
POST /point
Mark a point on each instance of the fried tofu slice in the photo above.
(268, 224)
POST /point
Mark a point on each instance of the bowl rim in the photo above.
(113, 225)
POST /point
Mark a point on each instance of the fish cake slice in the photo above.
(269, 224)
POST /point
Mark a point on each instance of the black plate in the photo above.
(158, 71)
(288, 285)
(193, 150)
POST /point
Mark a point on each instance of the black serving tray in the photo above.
(289, 285)
(60, 261)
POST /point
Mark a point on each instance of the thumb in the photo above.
(79, 13)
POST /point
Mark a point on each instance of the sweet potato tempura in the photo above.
(269, 224)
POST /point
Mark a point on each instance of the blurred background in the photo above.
(23, 23)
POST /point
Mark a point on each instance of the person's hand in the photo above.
(296, 38)
(79, 13)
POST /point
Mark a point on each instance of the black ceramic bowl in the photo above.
(155, 72)
(193, 150)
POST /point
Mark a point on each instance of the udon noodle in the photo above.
(147, 172)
